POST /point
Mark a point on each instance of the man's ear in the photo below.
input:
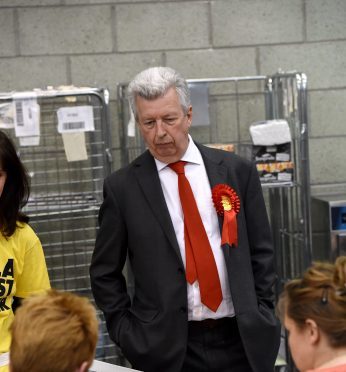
(189, 115)
(84, 367)
(313, 332)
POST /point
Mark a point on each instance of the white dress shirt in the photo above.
(196, 174)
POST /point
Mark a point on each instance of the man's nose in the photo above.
(160, 128)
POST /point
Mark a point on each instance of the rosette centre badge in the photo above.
(226, 203)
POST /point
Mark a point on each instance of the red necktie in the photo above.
(200, 261)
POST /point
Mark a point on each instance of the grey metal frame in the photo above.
(65, 197)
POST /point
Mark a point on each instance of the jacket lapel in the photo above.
(216, 171)
(217, 174)
(149, 181)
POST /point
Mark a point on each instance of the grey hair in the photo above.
(154, 82)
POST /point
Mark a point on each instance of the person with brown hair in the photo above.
(313, 309)
(23, 269)
(54, 332)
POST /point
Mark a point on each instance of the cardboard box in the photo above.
(274, 163)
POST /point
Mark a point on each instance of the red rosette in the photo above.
(227, 204)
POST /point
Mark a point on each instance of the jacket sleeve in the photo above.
(260, 239)
(108, 283)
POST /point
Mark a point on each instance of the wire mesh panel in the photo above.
(66, 195)
(287, 98)
(223, 120)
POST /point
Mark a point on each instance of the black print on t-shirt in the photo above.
(6, 283)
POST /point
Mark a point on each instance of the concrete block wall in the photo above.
(103, 42)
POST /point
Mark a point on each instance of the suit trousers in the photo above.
(215, 346)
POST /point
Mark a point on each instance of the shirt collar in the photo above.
(192, 155)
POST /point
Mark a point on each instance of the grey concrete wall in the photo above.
(103, 42)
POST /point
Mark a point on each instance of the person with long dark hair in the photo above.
(23, 269)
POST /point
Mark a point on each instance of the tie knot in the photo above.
(178, 166)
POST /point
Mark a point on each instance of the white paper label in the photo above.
(282, 156)
(75, 147)
(6, 115)
(26, 115)
(284, 176)
(29, 141)
(131, 126)
(75, 119)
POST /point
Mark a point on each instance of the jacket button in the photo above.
(181, 270)
(183, 309)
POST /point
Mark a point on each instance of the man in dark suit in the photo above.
(171, 324)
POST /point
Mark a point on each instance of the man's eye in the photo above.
(149, 123)
(170, 120)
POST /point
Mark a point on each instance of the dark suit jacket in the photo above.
(134, 220)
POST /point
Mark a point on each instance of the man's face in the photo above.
(164, 126)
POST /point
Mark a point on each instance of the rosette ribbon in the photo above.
(227, 204)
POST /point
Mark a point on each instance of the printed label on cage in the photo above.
(75, 119)
(29, 141)
(284, 176)
(74, 145)
(73, 126)
(6, 115)
(26, 114)
(131, 126)
(282, 156)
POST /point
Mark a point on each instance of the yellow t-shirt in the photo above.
(23, 272)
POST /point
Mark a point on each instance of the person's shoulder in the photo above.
(226, 156)
(23, 228)
(23, 237)
(127, 170)
(24, 231)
